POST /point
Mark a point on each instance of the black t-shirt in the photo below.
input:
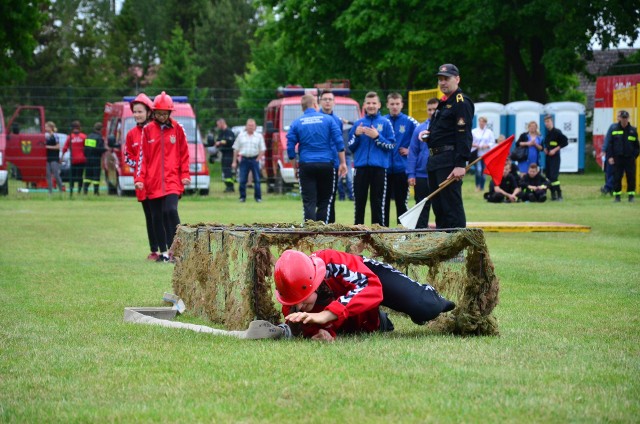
(53, 155)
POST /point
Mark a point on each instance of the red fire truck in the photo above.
(118, 120)
(280, 114)
(603, 114)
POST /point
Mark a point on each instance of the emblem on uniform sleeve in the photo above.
(172, 139)
(26, 147)
(461, 122)
(459, 98)
(402, 129)
(379, 127)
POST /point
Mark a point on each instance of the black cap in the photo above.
(448, 70)
(624, 114)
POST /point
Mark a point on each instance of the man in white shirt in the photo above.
(483, 141)
(250, 147)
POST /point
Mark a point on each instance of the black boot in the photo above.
(560, 199)
(85, 188)
(554, 196)
(96, 189)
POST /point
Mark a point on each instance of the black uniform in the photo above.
(449, 147)
(539, 195)
(623, 148)
(93, 150)
(553, 139)
(508, 184)
(226, 150)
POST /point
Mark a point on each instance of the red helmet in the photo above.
(143, 99)
(297, 276)
(163, 101)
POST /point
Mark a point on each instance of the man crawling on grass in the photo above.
(332, 292)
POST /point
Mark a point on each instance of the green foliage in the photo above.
(177, 69)
(20, 22)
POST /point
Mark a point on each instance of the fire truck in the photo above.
(4, 174)
(280, 114)
(118, 120)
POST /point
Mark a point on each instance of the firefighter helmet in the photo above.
(142, 99)
(163, 101)
(297, 276)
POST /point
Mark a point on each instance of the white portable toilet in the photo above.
(569, 117)
(519, 114)
(496, 116)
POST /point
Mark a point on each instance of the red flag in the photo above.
(495, 159)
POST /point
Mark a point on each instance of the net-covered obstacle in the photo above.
(224, 273)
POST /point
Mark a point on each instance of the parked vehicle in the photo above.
(280, 114)
(4, 174)
(118, 120)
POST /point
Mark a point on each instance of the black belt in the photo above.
(437, 150)
(250, 157)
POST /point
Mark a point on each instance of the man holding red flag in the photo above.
(449, 139)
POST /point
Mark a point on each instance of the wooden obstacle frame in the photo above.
(224, 273)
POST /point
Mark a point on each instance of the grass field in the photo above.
(569, 349)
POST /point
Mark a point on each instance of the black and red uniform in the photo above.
(623, 147)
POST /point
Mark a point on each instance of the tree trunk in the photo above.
(533, 83)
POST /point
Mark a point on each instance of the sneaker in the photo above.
(242, 200)
(163, 258)
(631, 199)
(258, 200)
(617, 198)
(153, 256)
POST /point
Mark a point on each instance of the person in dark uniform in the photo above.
(622, 152)
(449, 139)
(224, 142)
(93, 150)
(554, 140)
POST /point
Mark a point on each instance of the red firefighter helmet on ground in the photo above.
(163, 101)
(142, 99)
(297, 276)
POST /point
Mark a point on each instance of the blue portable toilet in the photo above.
(496, 116)
(519, 114)
(569, 117)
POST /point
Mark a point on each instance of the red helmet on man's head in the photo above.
(163, 101)
(142, 99)
(297, 276)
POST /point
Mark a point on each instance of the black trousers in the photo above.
(227, 171)
(164, 215)
(398, 185)
(151, 235)
(447, 204)
(332, 206)
(624, 165)
(420, 301)
(552, 169)
(77, 172)
(421, 190)
(317, 187)
(370, 181)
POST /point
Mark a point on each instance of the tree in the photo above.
(177, 65)
(20, 21)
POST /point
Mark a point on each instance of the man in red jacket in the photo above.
(332, 292)
(163, 171)
(75, 143)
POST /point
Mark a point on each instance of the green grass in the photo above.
(569, 349)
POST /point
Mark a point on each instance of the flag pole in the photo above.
(478, 159)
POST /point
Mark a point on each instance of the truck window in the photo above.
(348, 112)
(189, 125)
(290, 114)
(28, 122)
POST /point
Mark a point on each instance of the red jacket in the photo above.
(357, 293)
(164, 159)
(77, 148)
(132, 153)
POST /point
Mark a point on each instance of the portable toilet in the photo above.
(496, 117)
(519, 114)
(569, 117)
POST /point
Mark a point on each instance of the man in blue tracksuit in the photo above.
(319, 141)
(417, 159)
(372, 141)
(403, 127)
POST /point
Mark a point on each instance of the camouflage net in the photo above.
(224, 273)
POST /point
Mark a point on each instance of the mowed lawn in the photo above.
(569, 348)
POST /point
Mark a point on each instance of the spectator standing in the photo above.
(75, 143)
(533, 141)
(93, 150)
(533, 185)
(449, 139)
(224, 142)
(52, 145)
(371, 140)
(483, 141)
(319, 141)
(250, 147)
(403, 127)
(554, 140)
(417, 165)
(141, 108)
(163, 171)
(622, 152)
